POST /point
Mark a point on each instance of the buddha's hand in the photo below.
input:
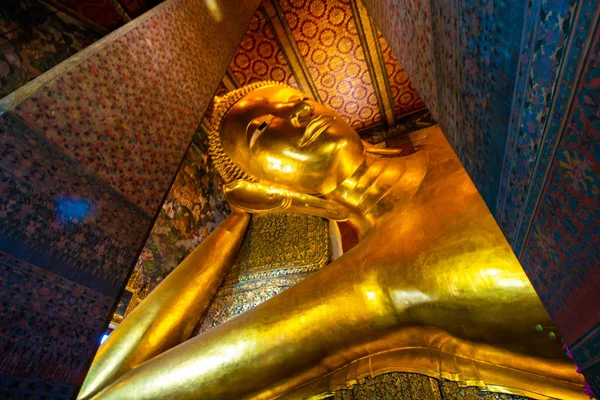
(257, 198)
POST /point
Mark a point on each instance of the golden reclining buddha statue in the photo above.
(432, 287)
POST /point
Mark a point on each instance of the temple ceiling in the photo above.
(332, 51)
(329, 49)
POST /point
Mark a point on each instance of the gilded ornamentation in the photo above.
(395, 385)
(452, 391)
(278, 251)
(287, 243)
(406, 386)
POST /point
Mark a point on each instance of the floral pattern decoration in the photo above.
(34, 38)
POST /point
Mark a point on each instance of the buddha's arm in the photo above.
(170, 313)
(322, 323)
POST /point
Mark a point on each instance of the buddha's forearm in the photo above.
(313, 328)
(170, 313)
(321, 324)
(286, 335)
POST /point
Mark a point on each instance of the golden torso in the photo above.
(432, 287)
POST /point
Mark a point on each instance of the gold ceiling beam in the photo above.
(375, 63)
(230, 81)
(120, 9)
(291, 52)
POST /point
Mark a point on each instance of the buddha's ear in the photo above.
(380, 151)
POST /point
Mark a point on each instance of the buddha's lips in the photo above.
(315, 128)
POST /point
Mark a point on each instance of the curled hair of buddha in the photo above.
(229, 170)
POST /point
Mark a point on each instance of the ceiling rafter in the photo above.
(283, 35)
(229, 81)
(375, 64)
(121, 10)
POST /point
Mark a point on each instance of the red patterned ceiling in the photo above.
(324, 37)
(259, 56)
(406, 98)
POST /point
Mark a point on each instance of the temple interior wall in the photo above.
(514, 87)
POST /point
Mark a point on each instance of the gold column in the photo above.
(374, 59)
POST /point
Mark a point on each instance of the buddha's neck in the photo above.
(379, 186)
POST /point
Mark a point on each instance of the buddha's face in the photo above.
(278, 135)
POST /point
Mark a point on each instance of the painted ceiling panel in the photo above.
(330, 49)
(405, 97)
(259, 56)
(326, 35)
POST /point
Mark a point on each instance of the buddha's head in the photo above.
(269, 132)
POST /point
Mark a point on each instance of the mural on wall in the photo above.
(545, 52)
(194, 207)
(562, 240)
(33, 39)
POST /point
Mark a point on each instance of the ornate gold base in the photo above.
(410, 386)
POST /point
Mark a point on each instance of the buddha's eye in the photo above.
(257, 127)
